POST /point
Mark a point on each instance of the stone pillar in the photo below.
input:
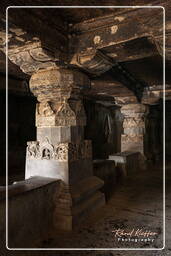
(153, 146)
(132, 138)
(118, 119)
(60, 150)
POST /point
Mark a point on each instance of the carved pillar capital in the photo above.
(133, 127)
(134, 118)
(59, 94)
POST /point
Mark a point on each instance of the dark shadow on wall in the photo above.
(21, 128)
(153, 138)
(104, 127)
(168, 130)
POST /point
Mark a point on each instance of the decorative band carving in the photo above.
(60, 152)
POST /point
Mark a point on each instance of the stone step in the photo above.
(84, 208)
(85, 188)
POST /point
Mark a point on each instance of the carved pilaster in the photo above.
(132, 138)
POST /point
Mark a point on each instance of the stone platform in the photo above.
(106, 171)
(77, 202)
(127, 162)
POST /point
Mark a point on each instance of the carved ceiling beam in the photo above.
(158, 41)
(95, 63)
(33, 57)
(132, 50)
(33, 50)
(153, 94)
(99, 63)
(112, 88)
(130, 25)
(122, 95)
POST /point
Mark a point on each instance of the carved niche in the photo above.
(46, 150)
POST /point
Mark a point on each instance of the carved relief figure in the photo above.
(33, 149)
(44, 109)
(65, 111)
(61, 152)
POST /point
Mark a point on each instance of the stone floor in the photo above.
(137, 204)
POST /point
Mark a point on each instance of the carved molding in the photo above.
(60, 152)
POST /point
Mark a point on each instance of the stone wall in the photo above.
(3, 133)
(31, 211)
(168, 130)
(21, 128)
(153, 139)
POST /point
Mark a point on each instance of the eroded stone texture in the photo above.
(132, 138)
